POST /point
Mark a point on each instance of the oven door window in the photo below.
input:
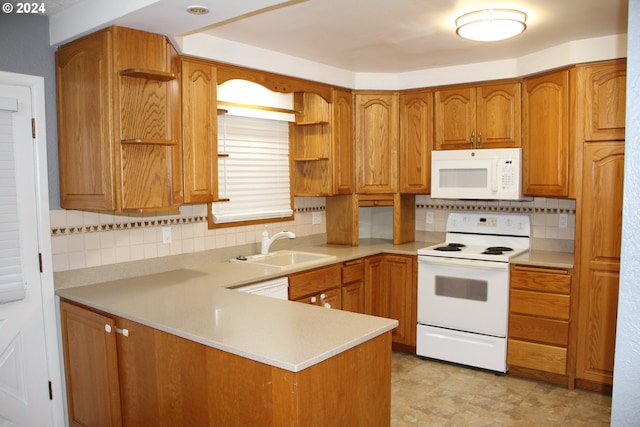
(454, 287)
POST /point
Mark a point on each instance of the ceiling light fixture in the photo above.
(490, 25)
(198, 10)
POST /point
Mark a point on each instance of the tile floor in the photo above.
(428, 393)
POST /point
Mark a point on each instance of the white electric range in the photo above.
(463, 288)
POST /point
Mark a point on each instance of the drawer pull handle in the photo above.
(124, 331)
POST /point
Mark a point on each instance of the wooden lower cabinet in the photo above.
(599, 243)
(539, 323)
(151, 378)
(353, 286)
(91, 367)
(338, 286)
(320, 286)
(391, 291)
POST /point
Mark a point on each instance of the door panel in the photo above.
(24, 391)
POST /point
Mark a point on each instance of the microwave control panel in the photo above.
(508, 175)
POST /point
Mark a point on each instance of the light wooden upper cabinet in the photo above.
(322, 144)
(342, 134)
(416, 141)
(545, 135)
(486, 116)
(119, 122)
(86, 145)
(199, 131)
(376, 142)
(605, 100)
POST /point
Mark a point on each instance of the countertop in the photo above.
(198, 304)
(539, 258)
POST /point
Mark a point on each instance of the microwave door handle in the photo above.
(494, 178)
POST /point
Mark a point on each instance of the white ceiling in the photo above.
(365, 36)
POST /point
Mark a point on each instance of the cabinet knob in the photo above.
(107, 328)
(314, 299)
(473, 138)
(479, 139)
(323, 296)
(327, 305)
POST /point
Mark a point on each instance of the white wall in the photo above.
(625, 409)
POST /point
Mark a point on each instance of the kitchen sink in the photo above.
(283, 260)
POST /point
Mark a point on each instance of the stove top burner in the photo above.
(496, 250)
(451, 247)
(500, 248)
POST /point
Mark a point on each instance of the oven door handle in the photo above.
(470, 263)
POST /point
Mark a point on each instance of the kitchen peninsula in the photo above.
(186, 350)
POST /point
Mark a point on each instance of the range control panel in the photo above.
(489, 223)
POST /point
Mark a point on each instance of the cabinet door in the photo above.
(376, 302)
(605, 102)
(416, 141)
(376, 143)
(600, 237)
(391, 291)
(455, 118)
(85, 136)
(498, 119)
(91, 367)
(353, 297)
(400, 278)
(342, 135)
(545, 140)
(199, 132)
(162, 381)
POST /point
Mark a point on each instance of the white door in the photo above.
(24, 379)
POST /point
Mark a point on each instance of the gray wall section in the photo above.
(25, 49)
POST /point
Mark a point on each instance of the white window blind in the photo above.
(254, 171)
(12, 286)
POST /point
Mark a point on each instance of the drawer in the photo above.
(352, 271)
(541, 357)
(314, 281)
(330, 298)
(557, 280)
(540, 304)
(548, 331)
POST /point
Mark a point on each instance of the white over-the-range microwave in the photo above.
(483, 174)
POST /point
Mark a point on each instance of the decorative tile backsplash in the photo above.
(431, 214)
(87, 239)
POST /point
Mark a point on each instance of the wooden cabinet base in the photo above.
(142, 376)
(352, 388)
(535, 374)
(594, 386)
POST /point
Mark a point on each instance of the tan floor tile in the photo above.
(427, 393)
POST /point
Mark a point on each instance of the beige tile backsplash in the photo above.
(87, 239)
